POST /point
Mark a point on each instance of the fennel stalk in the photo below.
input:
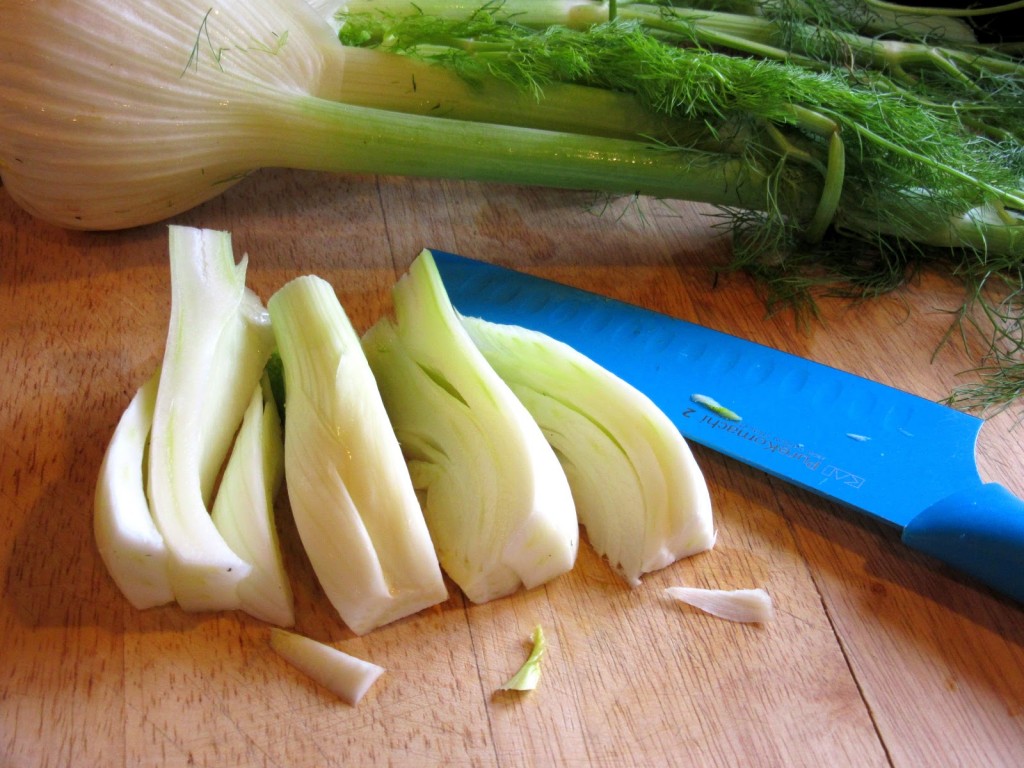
(908, 127)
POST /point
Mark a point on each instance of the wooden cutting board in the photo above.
(878, 656)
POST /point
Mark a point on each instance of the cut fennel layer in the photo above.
(127, 539)
(351, 494)
(496, 501)
(218, 342)
(741, 605)
(639, 493)
(243, 510)
(347, 677)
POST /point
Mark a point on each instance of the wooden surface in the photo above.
(878, 657)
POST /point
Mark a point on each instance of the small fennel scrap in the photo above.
(527, 676)
(740, 605)
(715, 407)
(347, 677)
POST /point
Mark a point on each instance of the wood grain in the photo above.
(878, 657)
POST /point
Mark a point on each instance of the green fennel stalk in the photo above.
(895, 135)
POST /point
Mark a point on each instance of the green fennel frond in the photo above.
(912, 129)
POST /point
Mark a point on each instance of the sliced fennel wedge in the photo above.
(347, 677)
(244, 510)
(127, 539)
(496, 501)
(351, 495)
(639, 493)
(218, 342)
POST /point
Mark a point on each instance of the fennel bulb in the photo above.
(127, 539)
(496, 501)
(218, 342)
(639, 493)
(351, 495)
(116, 113)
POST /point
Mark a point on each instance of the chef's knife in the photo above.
(901, 458)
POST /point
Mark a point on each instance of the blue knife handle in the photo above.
(979, 531)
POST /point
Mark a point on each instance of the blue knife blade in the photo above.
(896, 456)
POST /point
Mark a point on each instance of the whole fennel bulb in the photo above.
(117, 113)
(126, 112)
